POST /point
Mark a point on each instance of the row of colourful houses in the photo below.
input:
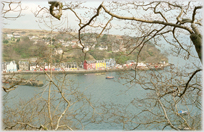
(99, 64)
(12, 66)
(65, 66)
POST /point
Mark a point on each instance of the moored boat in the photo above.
(110, 77)
(182, 112)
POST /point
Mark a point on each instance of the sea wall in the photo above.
(77, 71)
(67, 72)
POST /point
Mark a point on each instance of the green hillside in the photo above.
(24, 47)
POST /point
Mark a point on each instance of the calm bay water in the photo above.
(99, 89)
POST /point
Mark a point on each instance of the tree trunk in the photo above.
(197, 41)
(196, 38)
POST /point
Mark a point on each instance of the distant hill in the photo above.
(116, 47)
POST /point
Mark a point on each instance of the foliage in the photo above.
(122, 59)
(5, 41)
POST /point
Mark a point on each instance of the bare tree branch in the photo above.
(194, 13)
(187, 84)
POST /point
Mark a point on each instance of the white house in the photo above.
(33, 37)
(9, 36)
(141, 64)
(58, 51)
(11, 67)
(104, 47)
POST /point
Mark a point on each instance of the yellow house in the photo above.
(100, 64)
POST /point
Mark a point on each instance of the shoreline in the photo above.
(67, 72)
(80, 71)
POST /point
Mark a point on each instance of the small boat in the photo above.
(183, 112)
(109, 77)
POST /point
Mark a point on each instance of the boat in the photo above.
(110, 77)
(183, 112)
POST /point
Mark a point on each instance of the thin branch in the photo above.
(79, 31)
(27, 124)
(156, 12)
(147, 21)
(194, 13)
(58, 121)
(187, 84)
(105, 27)
(179, 42)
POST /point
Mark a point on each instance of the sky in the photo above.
(28, 19)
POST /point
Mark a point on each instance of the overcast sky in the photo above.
(28, 20)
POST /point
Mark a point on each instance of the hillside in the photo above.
(25, 44)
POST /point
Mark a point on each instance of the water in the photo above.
(110, 92)
(95, 87)
(101, 89)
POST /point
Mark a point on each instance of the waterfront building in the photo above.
(72, 66)
(34, 66)
(46, 67)
(131, 62)
(23, 65)
(107, 63)
(3, 66)
(141, 64)
(100, 64)
(64, 66)
(56, 67)
(89, 65)
(11, 67)
(81, 65)
(110, 63)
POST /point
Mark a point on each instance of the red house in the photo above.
(89, 65)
